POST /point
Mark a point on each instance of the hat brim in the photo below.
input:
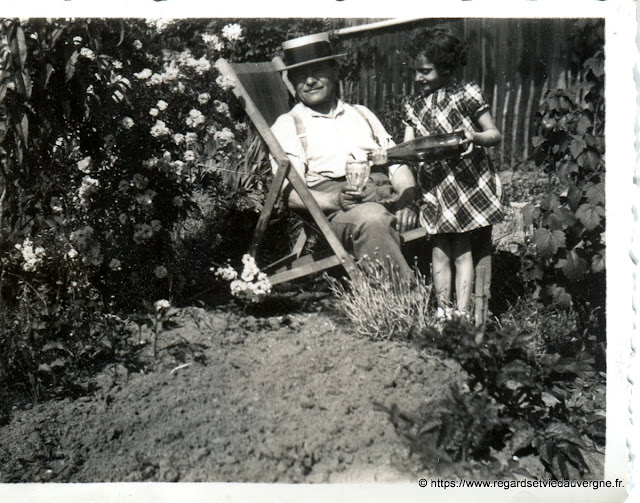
(312, 61)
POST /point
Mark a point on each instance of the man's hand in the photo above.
(349, 196)
(407, 219)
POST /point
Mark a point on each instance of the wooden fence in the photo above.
(515, 61)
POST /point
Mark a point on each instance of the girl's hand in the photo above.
(469, 140)
(378, 157)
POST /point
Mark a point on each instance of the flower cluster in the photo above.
(232, 32)
(87, 189)
(252, 285)
(195, 118)
(32, 257)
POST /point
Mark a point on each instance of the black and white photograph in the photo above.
(318, 255)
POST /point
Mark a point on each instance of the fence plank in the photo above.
(505, 110)
(514, 129)
(527, 118)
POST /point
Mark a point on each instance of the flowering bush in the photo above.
(252, 285)
(112, 134)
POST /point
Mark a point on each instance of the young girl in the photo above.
(462, 197)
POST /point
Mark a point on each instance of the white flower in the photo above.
(189, 156)
(161, 305)
(159, 24)
(178, 138)
(224, 137)
(137, 44)
(226, 83)
(77, 40)
(162, 105)
(144, 74)
(155, 80)
(160, 129)
(213, 40)
(115, 265)
(71, 254)
(153, 112)
(161, 272)
(116, 64)
(191, 138)
(221, 108)
(127, 122)
(203, 98)
(32, 257)
(90, 89)
(232, 32)
(227, 273)
(84, 164)
(85, 52)
(88, 187)
(195, 118)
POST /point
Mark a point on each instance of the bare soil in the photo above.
(233, 398)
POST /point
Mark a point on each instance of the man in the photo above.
(320, 134)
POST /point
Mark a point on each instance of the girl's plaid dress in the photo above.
(459, 195)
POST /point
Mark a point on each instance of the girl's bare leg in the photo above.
(461, 250)
(441, 263)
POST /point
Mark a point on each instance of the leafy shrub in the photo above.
(518, 398)
(565, 255)
(113, 134)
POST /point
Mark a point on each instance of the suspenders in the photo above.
(302, 134)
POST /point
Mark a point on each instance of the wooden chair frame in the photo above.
(293, 265)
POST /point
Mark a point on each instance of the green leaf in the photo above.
(550, 202)
(595, 194)
(577, 146)
(589, 215)
(548, 242)
(564, 432)
(575, 267)
(523, 435)
(574, 196)
(583, 125)
(598, 262)
(530, 214)
(22, 46)
(536, 141)
(70, 67)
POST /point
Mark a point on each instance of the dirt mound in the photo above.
(234, 399)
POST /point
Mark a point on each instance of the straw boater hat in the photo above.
(307, 50)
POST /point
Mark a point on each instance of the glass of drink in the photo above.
(357, 173)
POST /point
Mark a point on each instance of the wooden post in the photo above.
(505, 109)
(516, 120)
(527, 118)
(480, 298)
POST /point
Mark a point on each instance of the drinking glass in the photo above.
(357, 173)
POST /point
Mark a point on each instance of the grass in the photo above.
(381, 306)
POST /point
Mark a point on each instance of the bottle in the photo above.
(429, 148)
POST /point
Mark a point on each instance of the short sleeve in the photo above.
(473, 100)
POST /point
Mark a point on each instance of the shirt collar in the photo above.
(338, 110)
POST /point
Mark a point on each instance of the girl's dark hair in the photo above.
(442, 48)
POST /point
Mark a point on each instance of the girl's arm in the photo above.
(409, 133)
(489, 135)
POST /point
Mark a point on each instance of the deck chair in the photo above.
(265, 95)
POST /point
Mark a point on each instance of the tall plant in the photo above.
(565, 256)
